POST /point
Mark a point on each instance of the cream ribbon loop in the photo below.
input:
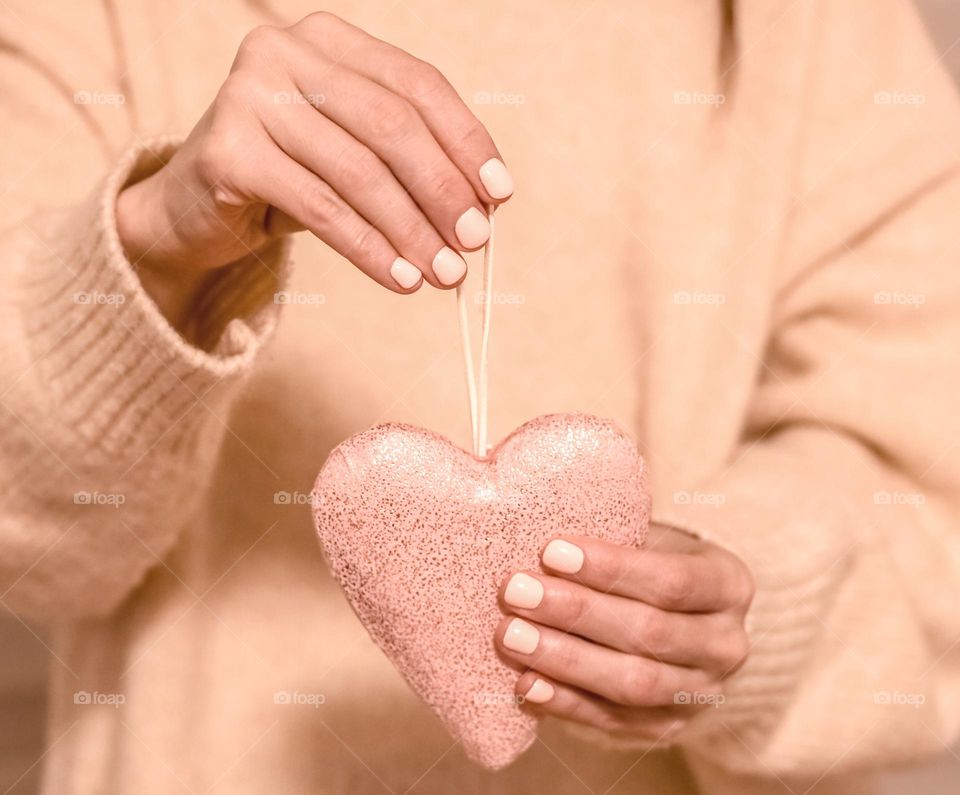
(477, 387)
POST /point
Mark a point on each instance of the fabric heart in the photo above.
(420, 534)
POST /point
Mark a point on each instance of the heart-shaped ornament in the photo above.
(420, 535)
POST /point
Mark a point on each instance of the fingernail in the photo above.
(448, 266)
(563, 556)
(521, 637)
(472, 229)
(540, 692)
(523, 591)
(496, 179)
(405, 273)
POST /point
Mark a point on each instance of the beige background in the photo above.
(24, 657)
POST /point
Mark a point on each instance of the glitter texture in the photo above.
(420, 534)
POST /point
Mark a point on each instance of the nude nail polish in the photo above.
(405, 273)
(448, 266)
(523, 591)
(472, 229)
(540, 692)
(563, 556)
(521, 637)
(496, 179)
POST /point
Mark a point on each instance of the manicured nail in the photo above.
(405, 273)
(523, 591)
(448, 266)
(521, 637)
(472, 229)
(563, 556)
(496, 179)
(540, 692)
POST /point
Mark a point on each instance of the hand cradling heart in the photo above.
(420, 535)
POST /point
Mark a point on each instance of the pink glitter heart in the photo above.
(420, 535)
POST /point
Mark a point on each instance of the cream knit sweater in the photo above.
(734, 234)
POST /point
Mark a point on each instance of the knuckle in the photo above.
(234, 90)
(611, 567)
(260, 41)
(735, 651)
(363, 245)
(392, 120)
(244, 88)
(571, 606)
(418, 237)
(421, 80)
(224, 198)
(739, 584)
(444, 183)
(473, 138)
(211, 162)
(648, 634)
(320, 203)
(675, 584)
(564, 655)
(746, 586)
(318, 21)
(219, 155)
(358, 167)
(635, 685)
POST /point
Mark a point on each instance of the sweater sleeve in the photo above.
(843, 493)
(109, 419)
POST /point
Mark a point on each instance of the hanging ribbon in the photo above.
(477, 387)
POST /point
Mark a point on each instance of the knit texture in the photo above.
(107, 389)
(734, 235)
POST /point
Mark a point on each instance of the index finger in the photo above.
(459, 133)
(678, 581)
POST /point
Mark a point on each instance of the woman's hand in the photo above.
(320, 126)
(633, 642)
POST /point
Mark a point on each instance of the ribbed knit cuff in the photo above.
(796, 536)
(122, 377)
